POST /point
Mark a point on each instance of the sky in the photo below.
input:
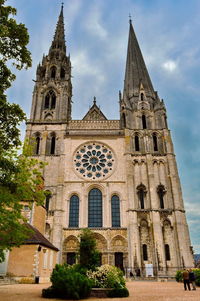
(96, 33)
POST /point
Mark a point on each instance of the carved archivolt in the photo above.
(70, 243)
(101, 242)
(119, 244)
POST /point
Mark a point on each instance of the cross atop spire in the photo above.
(136, 72)
(58, 42)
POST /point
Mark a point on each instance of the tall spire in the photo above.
(58, 42)
(136, 74)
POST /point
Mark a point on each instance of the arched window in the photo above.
(123, 120)
(74, 212)
(47, 101)
(95, 208)
(144, 252)
(115, 208)
(50, 100)
(142, 96)
(141, 190)
(155, 142)
(53, 101)
(53, 72)
(62, 73)
(161, 191)
(47, 202)
(137, 143)
(144, 123)
(37, 147)
(53, 145)
(167, 252)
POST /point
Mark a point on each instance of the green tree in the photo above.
(13, 41)
(88, 254)
(20, 177)
(21, 182)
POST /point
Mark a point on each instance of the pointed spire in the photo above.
(136, 72)
(58, 42)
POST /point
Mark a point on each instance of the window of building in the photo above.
(123, 120)
(74, 212)
(37, 147)
(53, 72)
(47, 101)
(95, 208)
(144, 123)
(141, 195)
(144, 252)
(62, 73)
(71, 258)
(137, 143)
(53, 101)
(155, 142)
(142, 96)
(161, 191)
(167, 252)
(115, 208)
(47, 201)
(53, 145)
(50, 100)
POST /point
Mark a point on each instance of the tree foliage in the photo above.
(89, 255)
(21, 181)
(20, 177)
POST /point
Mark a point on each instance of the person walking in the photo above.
(186, 280)
(192, 279)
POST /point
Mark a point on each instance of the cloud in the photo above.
(170, 65)
(94, 24)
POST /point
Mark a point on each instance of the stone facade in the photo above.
(129, 164)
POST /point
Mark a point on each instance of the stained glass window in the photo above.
(95, 208)
(74, 212)
(115, 208)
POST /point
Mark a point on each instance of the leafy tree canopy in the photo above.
(20, 176)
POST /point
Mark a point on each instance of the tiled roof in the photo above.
(37, 238)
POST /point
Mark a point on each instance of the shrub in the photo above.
(107, 276)
(67, 283)
(197, 276)
(179, 276)
(49, 292)
(118, 292)
(88, 254)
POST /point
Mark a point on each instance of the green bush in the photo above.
(118, 292)
(197, 276)
(179, 276)
(107, 276)
(67, 283)
(49, 293)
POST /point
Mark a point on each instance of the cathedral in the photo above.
(118, 178)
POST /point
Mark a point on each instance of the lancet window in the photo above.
(115, 208)
(74, 212)
(95, 208)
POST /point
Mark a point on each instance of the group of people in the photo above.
(189, 278)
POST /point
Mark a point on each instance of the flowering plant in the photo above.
(107, 276)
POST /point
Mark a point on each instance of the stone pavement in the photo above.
(139, 291)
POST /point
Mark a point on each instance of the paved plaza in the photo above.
(139, 291)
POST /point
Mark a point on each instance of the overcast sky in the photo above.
(96, 34)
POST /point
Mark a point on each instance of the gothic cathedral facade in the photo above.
(117, 177)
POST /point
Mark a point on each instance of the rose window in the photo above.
(94, 161)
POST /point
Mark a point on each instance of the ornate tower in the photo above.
(53, 90)
(158, 231)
